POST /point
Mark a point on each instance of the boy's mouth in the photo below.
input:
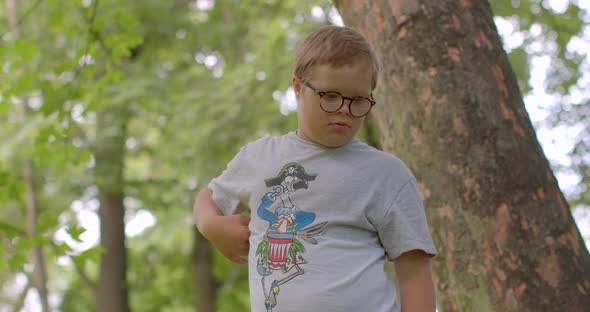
(340, 124)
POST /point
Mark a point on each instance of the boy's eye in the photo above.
(330, 96)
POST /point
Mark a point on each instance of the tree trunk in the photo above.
(109, 155)
(204, 283)
(39, 275)
(450, 107)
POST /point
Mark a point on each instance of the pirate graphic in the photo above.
(279, 253)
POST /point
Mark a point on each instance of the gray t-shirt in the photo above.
(323, 222)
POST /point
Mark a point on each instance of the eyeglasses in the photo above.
(332, 101)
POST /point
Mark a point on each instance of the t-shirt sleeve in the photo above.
(229, 188)
(404, 226)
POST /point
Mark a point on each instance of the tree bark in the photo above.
(109, 155)
(371, 136)
(204, 282)
(449, 106)
(39, 275)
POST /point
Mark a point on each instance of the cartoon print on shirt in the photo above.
(280, 250)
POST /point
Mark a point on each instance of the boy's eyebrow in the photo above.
(341, 93)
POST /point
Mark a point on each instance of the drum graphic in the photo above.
(278, 252)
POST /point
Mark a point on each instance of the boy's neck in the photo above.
(307, 139)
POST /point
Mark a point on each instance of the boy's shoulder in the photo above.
(367, 151)
(381, 161)
(263, 144)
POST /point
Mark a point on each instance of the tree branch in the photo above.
(20, 301)
(91, 284)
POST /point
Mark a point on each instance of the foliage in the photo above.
(197, 78)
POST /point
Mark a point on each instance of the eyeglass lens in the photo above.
(332, 102)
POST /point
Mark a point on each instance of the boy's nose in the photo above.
(345, 106)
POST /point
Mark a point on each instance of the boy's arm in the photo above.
(414, 276)
(229, 234)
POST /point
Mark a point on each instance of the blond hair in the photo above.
(335, 46)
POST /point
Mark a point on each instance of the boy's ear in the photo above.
(296, 86)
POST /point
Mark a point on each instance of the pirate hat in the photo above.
(292, 169)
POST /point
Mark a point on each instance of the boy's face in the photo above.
(337, 128)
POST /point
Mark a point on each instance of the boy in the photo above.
(327, 209)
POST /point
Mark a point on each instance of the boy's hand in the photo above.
(230, 235)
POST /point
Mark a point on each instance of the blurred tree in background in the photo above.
(179, 86)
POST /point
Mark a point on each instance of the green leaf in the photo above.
(61, 249)
(25, 50)
(519, 60)
(75, 231)
(261, 247)
(17, 262)
(91, 255)
(11, 230)
(46, 222)
(298, 245)
(3, 255)
(25, 243)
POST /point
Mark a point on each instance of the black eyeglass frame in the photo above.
(322, 93)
